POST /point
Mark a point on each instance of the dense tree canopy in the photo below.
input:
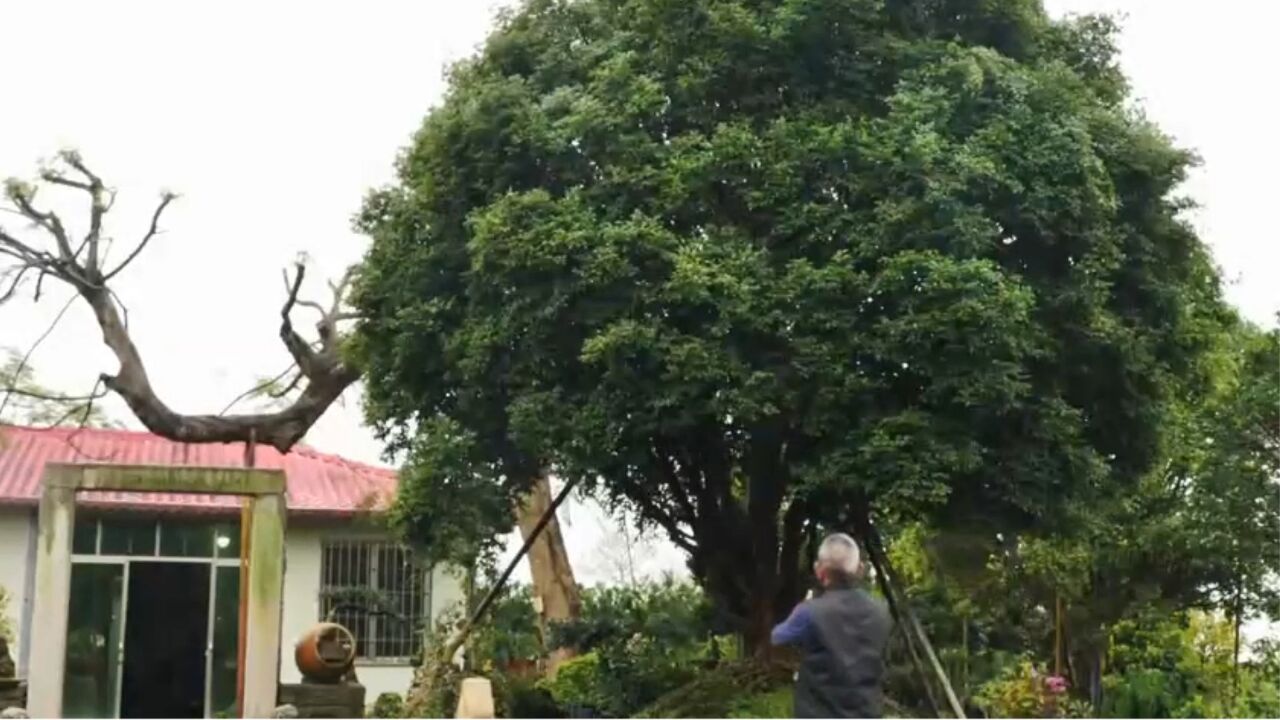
(754, 267)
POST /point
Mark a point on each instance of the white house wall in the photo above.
(16, 526)
(302, 606)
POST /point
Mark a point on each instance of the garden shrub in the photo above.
(522, 696)
(388, 705)
(643, 641)
(1022, 691)
(1183, 667)
(577, 685)
(730, 689)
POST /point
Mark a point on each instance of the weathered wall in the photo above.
(302, 604)
(16, 525)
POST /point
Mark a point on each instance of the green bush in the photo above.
(1022, 691)
(388, 705)
(638, 643)
(521, 696)
(1143, 693)
(508, 633)
(577, 684)
(1182, 666)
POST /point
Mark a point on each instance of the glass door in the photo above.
(95, 640)
(224, 638)
(107, 551)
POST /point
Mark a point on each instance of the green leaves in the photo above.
(452, 504)
(733, 257)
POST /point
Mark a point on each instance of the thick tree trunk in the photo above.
(760, 621)
(554, 586)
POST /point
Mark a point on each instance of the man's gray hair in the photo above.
(839, 552)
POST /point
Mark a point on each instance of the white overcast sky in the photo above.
(273, 119)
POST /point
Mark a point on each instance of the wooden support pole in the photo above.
(916, 661)
(524, 550)
(1057, 635)
(880, 560)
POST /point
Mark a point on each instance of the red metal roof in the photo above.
(317, 483)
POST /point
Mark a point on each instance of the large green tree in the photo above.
(755, 267)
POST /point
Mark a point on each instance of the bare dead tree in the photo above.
(318, 367)
(318, 364)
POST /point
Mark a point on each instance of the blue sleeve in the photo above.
(795, 628)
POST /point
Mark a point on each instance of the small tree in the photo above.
(25, 401)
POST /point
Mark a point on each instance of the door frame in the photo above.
(125, 562)
(265, 490)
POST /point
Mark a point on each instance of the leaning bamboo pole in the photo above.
(433, 668)
(884, 570)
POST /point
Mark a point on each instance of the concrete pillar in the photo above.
(53, 594)
(266, 602)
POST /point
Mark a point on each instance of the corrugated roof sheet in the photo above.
(317, 483)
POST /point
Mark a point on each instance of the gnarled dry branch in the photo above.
(320, 364)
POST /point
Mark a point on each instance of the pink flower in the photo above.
(1055, 684)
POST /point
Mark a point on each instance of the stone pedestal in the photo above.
(13, 693)
(313, 700)
(475, 699)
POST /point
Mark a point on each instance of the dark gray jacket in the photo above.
(843, 656)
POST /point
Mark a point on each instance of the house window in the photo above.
(140, 536)
(378, 592)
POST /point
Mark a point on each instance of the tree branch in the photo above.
(258, 388)
(326, 374)
(165, 199)
(56, 179)
(15, 248)
(53, 397)
(73, 158)
(98, 206)
(293, 385)
(311, 304)
(323, 369)
(17, 275)
(302, 353)
(23, 197)
(88, 406)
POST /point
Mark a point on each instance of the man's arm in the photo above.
(795, 628)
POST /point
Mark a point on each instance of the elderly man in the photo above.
(841, 634)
